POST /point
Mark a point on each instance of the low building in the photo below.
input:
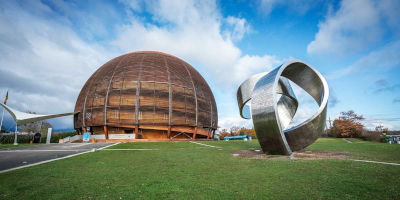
(393, 139)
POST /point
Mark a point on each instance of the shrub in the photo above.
(56, 136)
(372, 136)
(223, 134)
(9, 139)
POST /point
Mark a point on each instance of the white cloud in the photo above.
(44, 63)
(192, 30)
(135, 5)
(228, 122)
(356, 26)
(266, 6)
(195, 31)
(350, 29)
(240, 27)
(386, 57)
(297, 6)
(248, 65)
(372, 125)
(44, 60)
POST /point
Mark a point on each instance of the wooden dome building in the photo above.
(146, 95)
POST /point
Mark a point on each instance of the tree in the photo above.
(348, 125)
(223, 133)
(252, 133)
(246, 131)
(36, 127)
(234, 130)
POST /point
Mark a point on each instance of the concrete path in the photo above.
(348, 141)
(377, 162)
(219, 148)
(15, 158)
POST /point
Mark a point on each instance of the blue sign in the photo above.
(239, 137)
(86, 137)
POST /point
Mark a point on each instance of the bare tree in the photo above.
(234, 130)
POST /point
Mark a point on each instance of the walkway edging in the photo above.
(47, 161)
(377, 162)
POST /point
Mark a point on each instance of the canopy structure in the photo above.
(22, 118)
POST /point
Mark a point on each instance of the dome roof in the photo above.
(146, 87)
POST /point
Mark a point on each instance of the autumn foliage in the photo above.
(347, 125)
(235, 131)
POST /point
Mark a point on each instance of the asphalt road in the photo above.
(16, 157)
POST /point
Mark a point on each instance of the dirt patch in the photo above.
(301, 155)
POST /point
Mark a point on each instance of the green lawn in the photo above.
(182, 170)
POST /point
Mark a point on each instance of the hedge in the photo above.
(9, 139)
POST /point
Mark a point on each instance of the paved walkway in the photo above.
(15, 158)
(377, 162)
(348, 141)
(219, 148)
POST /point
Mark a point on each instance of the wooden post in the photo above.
(209, 133)
(136, 131)
(213, 134)
(195, 132)
(106, 131)
(169, 132)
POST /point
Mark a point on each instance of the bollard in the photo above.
(48, 135)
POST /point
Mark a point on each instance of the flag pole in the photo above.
(1, 123)
(2, 116)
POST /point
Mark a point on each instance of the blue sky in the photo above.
(50, 48)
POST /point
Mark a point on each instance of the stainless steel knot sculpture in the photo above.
(274, 104)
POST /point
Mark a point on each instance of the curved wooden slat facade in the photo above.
(152, 94)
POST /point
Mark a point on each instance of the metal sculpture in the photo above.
(274, 104)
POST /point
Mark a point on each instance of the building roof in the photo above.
(22, 118)
(146, 88)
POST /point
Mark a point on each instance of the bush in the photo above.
(9, 139)
(56, 136)
(372, 136)
(223, 134)
(347, 125)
